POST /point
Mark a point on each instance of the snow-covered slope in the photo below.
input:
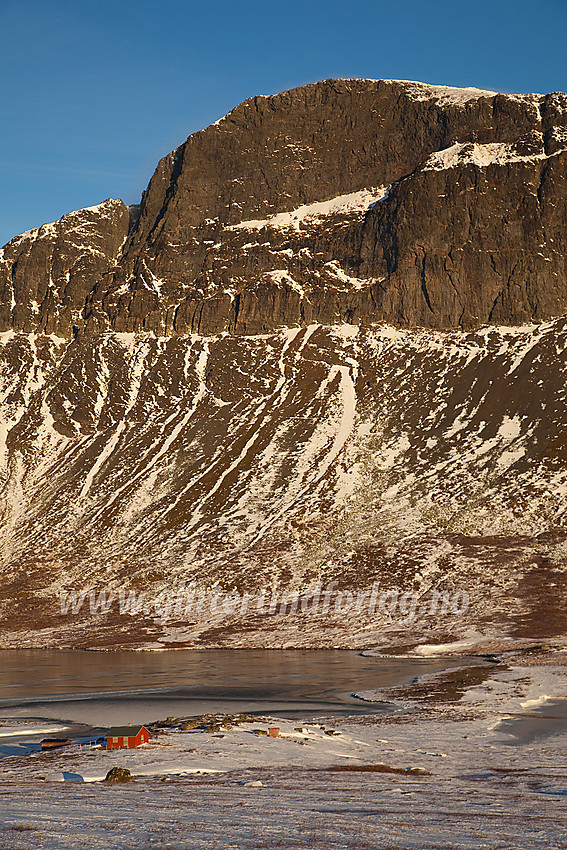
(416, 459)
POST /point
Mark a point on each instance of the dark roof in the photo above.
(124, 731)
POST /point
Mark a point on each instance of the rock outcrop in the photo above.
(46, 274)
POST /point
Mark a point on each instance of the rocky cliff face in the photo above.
(298, 363)
(343, 201)
(47, 273)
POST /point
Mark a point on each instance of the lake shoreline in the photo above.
(448, 756)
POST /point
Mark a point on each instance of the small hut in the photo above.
(120, 737)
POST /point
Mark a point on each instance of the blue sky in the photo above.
(93, 93)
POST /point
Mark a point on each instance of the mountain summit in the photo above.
(343, 201)
(329, 346)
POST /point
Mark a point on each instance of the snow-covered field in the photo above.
(457, 771)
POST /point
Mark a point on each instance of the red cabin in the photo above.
(119, 737)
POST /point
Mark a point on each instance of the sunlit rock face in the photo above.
(329, 346)
(47, 273)
(343, 201)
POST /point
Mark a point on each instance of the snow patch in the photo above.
(430, 649)
(469, 153)
(354, 202)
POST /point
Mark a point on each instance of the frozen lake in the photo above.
(99, 689)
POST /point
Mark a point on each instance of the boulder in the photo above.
(118, 774)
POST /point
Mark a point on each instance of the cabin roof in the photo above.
(124, 731)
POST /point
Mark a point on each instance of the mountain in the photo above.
(329, 346)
